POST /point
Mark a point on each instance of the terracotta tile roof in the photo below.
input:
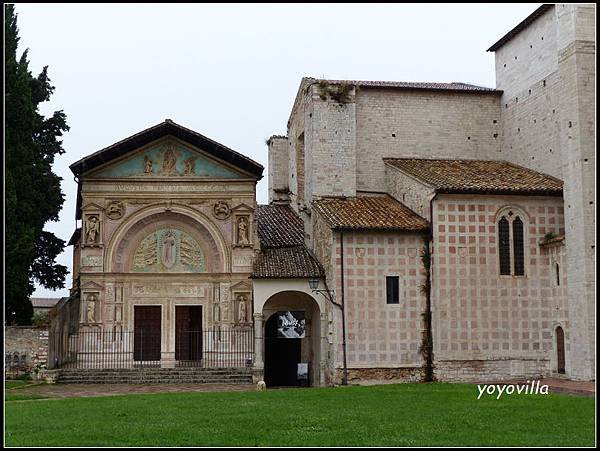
(478, 176)
(432, 86)
(286, 263)
(279, 226)
(520, 27)
(369, 213)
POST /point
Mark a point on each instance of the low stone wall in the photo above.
(489, 370)
(367, 376)
(25, 349)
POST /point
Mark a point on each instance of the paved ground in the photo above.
(78, 390)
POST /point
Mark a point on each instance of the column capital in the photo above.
(258, 316)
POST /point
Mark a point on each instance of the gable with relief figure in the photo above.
(167, 159)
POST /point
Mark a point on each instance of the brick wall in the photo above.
(26, 345)
(381, 335)
(479, 315)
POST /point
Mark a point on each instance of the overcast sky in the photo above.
(231, 72)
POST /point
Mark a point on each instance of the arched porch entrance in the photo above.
(292, 336)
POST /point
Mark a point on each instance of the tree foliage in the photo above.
(33, 194)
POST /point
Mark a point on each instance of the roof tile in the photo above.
(286, 263)
(279, 226)
(369, 213)
(478, 176)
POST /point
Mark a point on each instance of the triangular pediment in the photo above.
(92, 206)
(91, 285)
(170, 158)
(242, 207)
(220, 160)
(241, 286)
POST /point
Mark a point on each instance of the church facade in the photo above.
(413, 230)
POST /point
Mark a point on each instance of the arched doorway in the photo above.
(560, 350)
(292, 340)
(282, 356)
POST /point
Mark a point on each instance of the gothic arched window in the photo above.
(511, 243)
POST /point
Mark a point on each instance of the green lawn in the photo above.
(15, 384)
(400, 415)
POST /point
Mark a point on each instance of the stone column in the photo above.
(259, 364)
(324, 348)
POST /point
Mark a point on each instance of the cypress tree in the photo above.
(33, 194)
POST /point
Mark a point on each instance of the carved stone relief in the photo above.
(243, 232)
(221, 210)
(91, 301)
(91, 260)
(169, 250)
(115, 209)
(242, 301)
(92, 229)
(147, 165)
(169, 161)
(189, 165)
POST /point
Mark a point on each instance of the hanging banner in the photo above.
(291, 324)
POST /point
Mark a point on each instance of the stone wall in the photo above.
(576, 59)
(479, 314)
(278, 167)
(27, 349)
(368, 376)
(489, 370)
(408, 190)
(330, 146)
(421, 124)
(547, 72)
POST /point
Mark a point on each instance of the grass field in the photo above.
(12, 392)
(393, 415)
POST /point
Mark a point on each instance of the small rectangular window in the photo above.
(393, 289)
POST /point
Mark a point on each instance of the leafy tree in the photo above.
(32, 191)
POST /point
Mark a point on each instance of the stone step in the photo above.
(156, 376)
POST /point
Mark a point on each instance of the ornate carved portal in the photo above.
(169, 250)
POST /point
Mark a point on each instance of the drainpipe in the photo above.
(345, 374)
(429, 359)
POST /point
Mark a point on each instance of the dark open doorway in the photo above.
(146, 341)
(560, 350)
(188, 334)
(282, 356)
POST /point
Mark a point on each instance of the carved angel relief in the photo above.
(169, 250)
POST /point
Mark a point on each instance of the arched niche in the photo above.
(126, 240)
